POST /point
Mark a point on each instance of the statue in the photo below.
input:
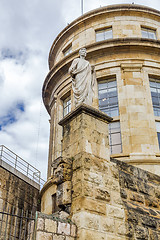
(83, 79)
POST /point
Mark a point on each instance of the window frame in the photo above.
(68, 105)
(110, 107)
(111, 134)
(148, 31)
(156, 81)
(67, 50)
(113, 143)
(104, 30)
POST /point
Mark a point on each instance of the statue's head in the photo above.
(83, 52)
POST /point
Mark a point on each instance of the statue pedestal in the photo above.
(85, 129)
(85, 142)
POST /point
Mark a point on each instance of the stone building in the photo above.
(104, 159)
(19, 195)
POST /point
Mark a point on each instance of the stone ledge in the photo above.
(95, 12)
(83, 108)
(136, 171)
(55, 217)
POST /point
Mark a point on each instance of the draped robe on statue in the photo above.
(83, 81)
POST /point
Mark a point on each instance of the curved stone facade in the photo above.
(130, 55)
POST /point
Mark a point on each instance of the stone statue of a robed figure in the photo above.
(83, 79)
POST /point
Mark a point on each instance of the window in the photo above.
(108, 98)
(108, 103)
(155, 93)
(67, 50)
(66, 106)
(54, 204)
(104, 34)
(158, 132)
(115, 138)
(148, 33)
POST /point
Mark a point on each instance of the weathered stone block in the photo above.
(127, 181)
(77, 190)
(115, 198)
(63, 172)
(153, 235)
(136, 197)
(64, 228)
(50, 226)
(151, 202)
(120, 227)
(145, 188)
(102, 195)
(73, 230)
(141, 233)
(40, 224)
(157, 193)
(91, 221)
(107, 224)
(87, 234)
(64, 193)
(69, 238)
(58, 237)
(90, 205)
(115, 212)
(149, 221)
(93, 177)
(88, 190)
(123, 193)
(43, 236)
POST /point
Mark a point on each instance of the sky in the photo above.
(28, 29)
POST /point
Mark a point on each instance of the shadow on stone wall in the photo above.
(140, 192)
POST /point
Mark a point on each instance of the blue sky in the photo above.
(28, 29)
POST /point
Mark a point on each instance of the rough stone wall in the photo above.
(110, 200)
(16, 192)
(106, 198)
(17, 197)
(97, 208)
(114, 200)
(140, 193)
(49, 227)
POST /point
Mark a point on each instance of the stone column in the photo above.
(139, 136)
(85, 141)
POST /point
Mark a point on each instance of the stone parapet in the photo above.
(140, 194)
(50, 227)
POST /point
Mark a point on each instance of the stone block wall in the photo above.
(49, 227)
(140, 194)
(113, 200)
(14, 191)
(18, 197)
(97, 207)
(107, 198)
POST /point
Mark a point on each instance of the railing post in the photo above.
(39, 177)
(1, 150)
(16, 162)
(27, 169)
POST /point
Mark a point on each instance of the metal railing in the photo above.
(16, 224)
(21, 165)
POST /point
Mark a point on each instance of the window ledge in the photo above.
(157, 118)
(119, 155)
